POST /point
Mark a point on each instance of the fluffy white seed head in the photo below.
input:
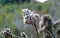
(26, 12)
(6, 30)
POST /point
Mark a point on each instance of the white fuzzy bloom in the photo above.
(23, 34)
(26, 12)
(41, 23)
(7, 30)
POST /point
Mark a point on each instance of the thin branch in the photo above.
(56, 23)
(36, 30)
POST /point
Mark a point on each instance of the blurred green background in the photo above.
(11, 14)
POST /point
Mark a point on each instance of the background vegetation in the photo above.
(11, 14)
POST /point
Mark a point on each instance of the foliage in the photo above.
(13, 1)
(8, 8)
